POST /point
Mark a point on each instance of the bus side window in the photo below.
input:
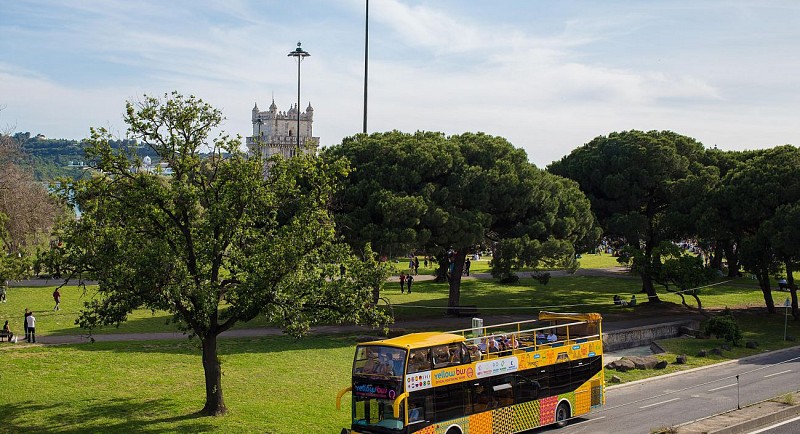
(528, 389)
(503, 391)
(420, 360)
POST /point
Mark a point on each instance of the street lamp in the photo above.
(366, 60)
(299, 53)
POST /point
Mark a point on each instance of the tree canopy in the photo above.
(636, 182)
(448, 195)
(216, 242)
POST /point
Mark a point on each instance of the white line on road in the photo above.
(659, 403)
(777, 373)
(774, 426)
(587, 421)
(721, 387)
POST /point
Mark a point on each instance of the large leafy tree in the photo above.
(215, 243)
(762, 192)
(635, 181)
(449, 194)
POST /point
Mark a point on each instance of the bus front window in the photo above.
(376, 412)
(375, 360)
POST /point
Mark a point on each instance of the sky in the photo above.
(549, 76)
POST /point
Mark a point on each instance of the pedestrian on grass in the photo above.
(416, 265)
(409, 281)
(25, 322)
(57, 298)
(3, 293)
(402, 282)
(31, 321)
(467, 264)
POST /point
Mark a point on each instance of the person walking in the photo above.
(402, 282)
(57, 298)
(25, 322)
(31, 321)
(3, 292)
(416, 265)
(467, 264)
(409, 281)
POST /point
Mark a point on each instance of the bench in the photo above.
(470, 310)
(5, 336)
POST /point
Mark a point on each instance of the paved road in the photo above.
(671, 400)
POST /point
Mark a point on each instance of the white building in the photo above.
(276, 132)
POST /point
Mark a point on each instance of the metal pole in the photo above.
(299, 53)
(785, 317)
(366, 60)
(299, 59)
(738, 403)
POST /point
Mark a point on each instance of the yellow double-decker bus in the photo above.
(505, 378)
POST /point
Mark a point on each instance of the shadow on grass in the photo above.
(121, 415)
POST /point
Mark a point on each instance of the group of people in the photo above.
(29, 323)
(29, 327)
(405, 280)
(620, 302)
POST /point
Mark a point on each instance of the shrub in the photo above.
(724, 327)
(542, 277)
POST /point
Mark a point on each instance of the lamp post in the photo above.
(366, 59)
(299, 53)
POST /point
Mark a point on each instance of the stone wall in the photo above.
(644, 336)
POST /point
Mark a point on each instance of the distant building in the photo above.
(161, 168)
(276, 132)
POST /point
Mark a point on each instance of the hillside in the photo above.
(54, 158)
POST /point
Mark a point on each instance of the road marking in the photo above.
(774, 426)
(777, 373)
(721, 387)
(659, 403)
(587, 421)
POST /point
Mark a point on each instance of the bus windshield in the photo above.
(372, 406)
(375, 360)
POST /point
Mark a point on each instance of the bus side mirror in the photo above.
(339, 396)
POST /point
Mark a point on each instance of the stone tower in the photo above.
(276, 132)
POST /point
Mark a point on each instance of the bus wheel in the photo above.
(562, 415)
(453, 430)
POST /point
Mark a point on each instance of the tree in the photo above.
(447, 195)
(680, 269)
(30, 211)
(755, 190)
(633, 180)
(215, 243)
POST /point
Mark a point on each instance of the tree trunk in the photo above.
(733, 258)
(699, 305)
(215, 403)
(455, 279)
(763, 282)
(649, 289)
(716, 260)
(441, 272)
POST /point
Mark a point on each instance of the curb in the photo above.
(751, 424)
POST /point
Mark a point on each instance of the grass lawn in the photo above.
(271, 384)
(428, 300)
(274, 385)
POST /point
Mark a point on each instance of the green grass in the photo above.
(596, 261)
(428, 300)
(274, 385)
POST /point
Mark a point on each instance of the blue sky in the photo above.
(547, 75)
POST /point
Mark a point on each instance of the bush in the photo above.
(724, 327)
(542, 277)
(509, 279)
